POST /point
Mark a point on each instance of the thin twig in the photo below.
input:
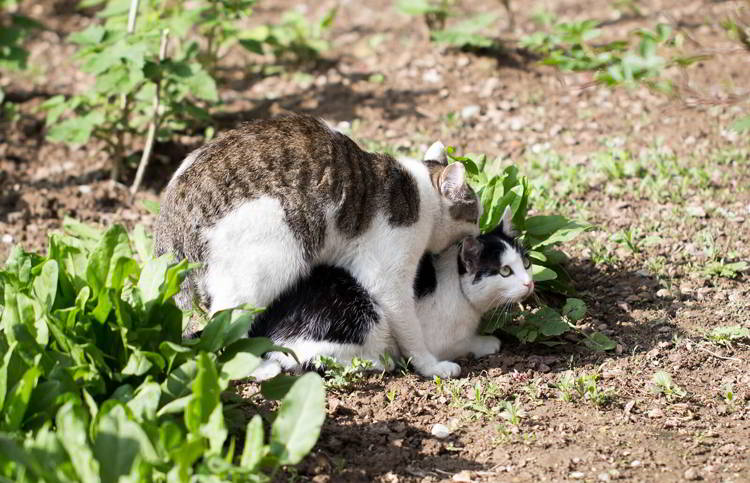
(154, 123)
(718, 356)
(124, 99)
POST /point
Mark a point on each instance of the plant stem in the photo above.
(124, 102)
(154, 123)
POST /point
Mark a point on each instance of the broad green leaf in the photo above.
(214, 429)
(253, 451)
(146, 401)
(144, 245)
(4, 374)
(742, 124)
(45, 285)
(179, 382)
(18, 399)
(599, 342)
(103, 268)
(72, 431)
(540, 226)
(574, 309)
(255, 345)
(548, 321)
(277, 387)
(118, 442)
(205, 394)
(542, 274)
(299, 419)
(240, 366)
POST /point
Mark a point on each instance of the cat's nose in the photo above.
(529, 285)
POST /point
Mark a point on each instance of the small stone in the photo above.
(470, 111)
(440, 431)
(84, 189)
(516, 123)
(636, 464)
(7, 239)
(464, 476)
(603, 477)
(696, 211)
(663, 293)
(432, 76)
(489, 87)
(655, 413)
(507, 106)
(691, 474)
(577, 475)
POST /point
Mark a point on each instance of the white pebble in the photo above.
(440, 431)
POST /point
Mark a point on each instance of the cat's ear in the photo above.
(471, 251)
(436, 152)
(506, 224)
(452, 180)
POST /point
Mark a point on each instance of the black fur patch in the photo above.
(426, 281)
(328, 305)
(490, 260)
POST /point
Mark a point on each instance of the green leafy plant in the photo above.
(662, 383)
(569, 47)
(92, 365)
(720, 268)
(435, 13)
(340, 376)
(727, 335)
(467, 33)
(295, 39)
(541, 234)
(137, 82)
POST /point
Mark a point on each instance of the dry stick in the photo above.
(124, 100)
(154, 123)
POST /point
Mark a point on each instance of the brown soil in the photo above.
(656, 302)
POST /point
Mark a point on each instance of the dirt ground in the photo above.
(385, 82)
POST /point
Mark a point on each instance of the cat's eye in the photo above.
(506, 271)
(526, 263)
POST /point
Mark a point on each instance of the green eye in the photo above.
(506, 271)
(526, 263)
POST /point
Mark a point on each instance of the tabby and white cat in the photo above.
(263, 204)
(329, 313)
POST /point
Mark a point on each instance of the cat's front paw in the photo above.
(443, 369)
(484, 345)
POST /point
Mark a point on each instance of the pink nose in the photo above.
(529, 285)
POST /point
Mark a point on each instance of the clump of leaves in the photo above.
(542, 235)
(721, 268)
(435, 13)
(129, 71)
(92, 364)
(294, 40)
(727, 335)
(569, 47)
(341, 376)
(662, 384)
(584, 388)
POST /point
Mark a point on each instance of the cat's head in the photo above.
(494, 268)
(460, 208)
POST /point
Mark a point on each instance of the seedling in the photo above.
(391, 395)
(565, 386)
(725, 336)
(727, 393)
(339, 376)
(662, 383)
(512, 412)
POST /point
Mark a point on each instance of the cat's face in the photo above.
(460, 206)
(497, 270)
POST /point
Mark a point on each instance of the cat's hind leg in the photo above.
(253, 256)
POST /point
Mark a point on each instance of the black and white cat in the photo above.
(263, 204)
(329, 313)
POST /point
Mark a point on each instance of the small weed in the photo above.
(662, 383)
(588, 390)
(720, 268)
(512, 412)
(438, 384)
(727, 393)
(725, 336)
(632, 238)
(565, 385)
(533, 389)
(339, 376)
(391, 395)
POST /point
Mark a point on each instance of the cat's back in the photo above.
(299, 161)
